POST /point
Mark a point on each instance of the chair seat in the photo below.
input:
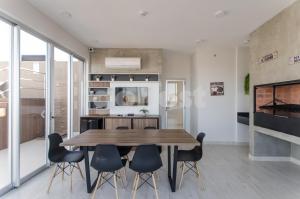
(188, 156)
(73, 156)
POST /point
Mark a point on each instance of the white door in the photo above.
(175, 104)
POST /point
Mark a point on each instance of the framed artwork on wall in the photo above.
(216, 88)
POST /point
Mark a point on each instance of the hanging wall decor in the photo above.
(268, 57)
(216, 88)
(294, 60)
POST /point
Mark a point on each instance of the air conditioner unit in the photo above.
(131, 63)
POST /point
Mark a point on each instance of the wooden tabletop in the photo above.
(132, 137)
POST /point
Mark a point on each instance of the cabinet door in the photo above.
(89, 123)
(142, 123)
(113, 123)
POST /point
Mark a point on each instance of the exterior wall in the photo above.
(280, 34)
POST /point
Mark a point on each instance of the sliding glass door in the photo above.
(33, 67)
(41, 92)
(5, 146)
(60, 92)
(78, 83)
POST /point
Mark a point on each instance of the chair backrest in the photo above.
(146, 159)
(106, 158)
(199, 149)
(200, 137)
(122, 128)
(54, 149)
(150, 127)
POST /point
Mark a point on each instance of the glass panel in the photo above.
(33, 53)
(5, 49)
(60, 91)
(175, 104)
(78, 74)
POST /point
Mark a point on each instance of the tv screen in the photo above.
(131, 96)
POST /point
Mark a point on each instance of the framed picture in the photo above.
(216, 88)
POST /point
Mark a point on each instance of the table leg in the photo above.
(172, 179)
(87, 169)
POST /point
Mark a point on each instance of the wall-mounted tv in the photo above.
(131, 96)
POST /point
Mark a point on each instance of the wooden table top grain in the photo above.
(132, 137)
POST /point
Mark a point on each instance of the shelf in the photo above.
(98, 101)
(99, 87)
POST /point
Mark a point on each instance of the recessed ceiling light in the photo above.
(220, 13)
(66, 14)
(143, 13)
(198, 41)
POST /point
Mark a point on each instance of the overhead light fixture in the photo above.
(143, 13)
(220, 13)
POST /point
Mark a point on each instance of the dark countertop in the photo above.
(243, 118)
(120, 116)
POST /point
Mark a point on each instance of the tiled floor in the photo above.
(228, 174)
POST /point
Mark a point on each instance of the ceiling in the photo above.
(170, 24)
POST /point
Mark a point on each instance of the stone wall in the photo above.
(281, 34)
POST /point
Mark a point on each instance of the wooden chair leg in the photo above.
(196, 167)
(78, 167)
(134, 181)
(155, 187)
(71, 176)
(97, 185)
(200, 176)
(116, 186)
(182, 174)
(136, 186)
(63, 172)
(52, 177)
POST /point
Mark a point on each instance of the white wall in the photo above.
(243, 101)
(23, 12)
(214, 115)
(176, 66)
(153, 98)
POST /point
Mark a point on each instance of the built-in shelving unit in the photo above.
(99, 86)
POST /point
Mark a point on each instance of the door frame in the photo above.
(183, 101)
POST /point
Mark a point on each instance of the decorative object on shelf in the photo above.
(98, 77)
(268, 57)
(144, 111)
(130, 78)
(216, 88)
(294, 60)
(92, 92)
(113, 78)
(147, 78)
(247, 84)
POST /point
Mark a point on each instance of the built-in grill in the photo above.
(277, 106)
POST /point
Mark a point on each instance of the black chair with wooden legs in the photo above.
(189, 158)
(124, 150)
(107, 159)
(152, 127)
(145, 162)
(63, 158)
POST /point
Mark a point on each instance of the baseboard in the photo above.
(270, 158)
(226, 143)
(295, 161)
(274, 159)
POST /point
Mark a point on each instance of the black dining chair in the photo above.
(146, 160)
(124, 150)
(61, 156)
(189, 158)
(153, 127)
(107, 159)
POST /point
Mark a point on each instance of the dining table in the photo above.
(172, 138)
